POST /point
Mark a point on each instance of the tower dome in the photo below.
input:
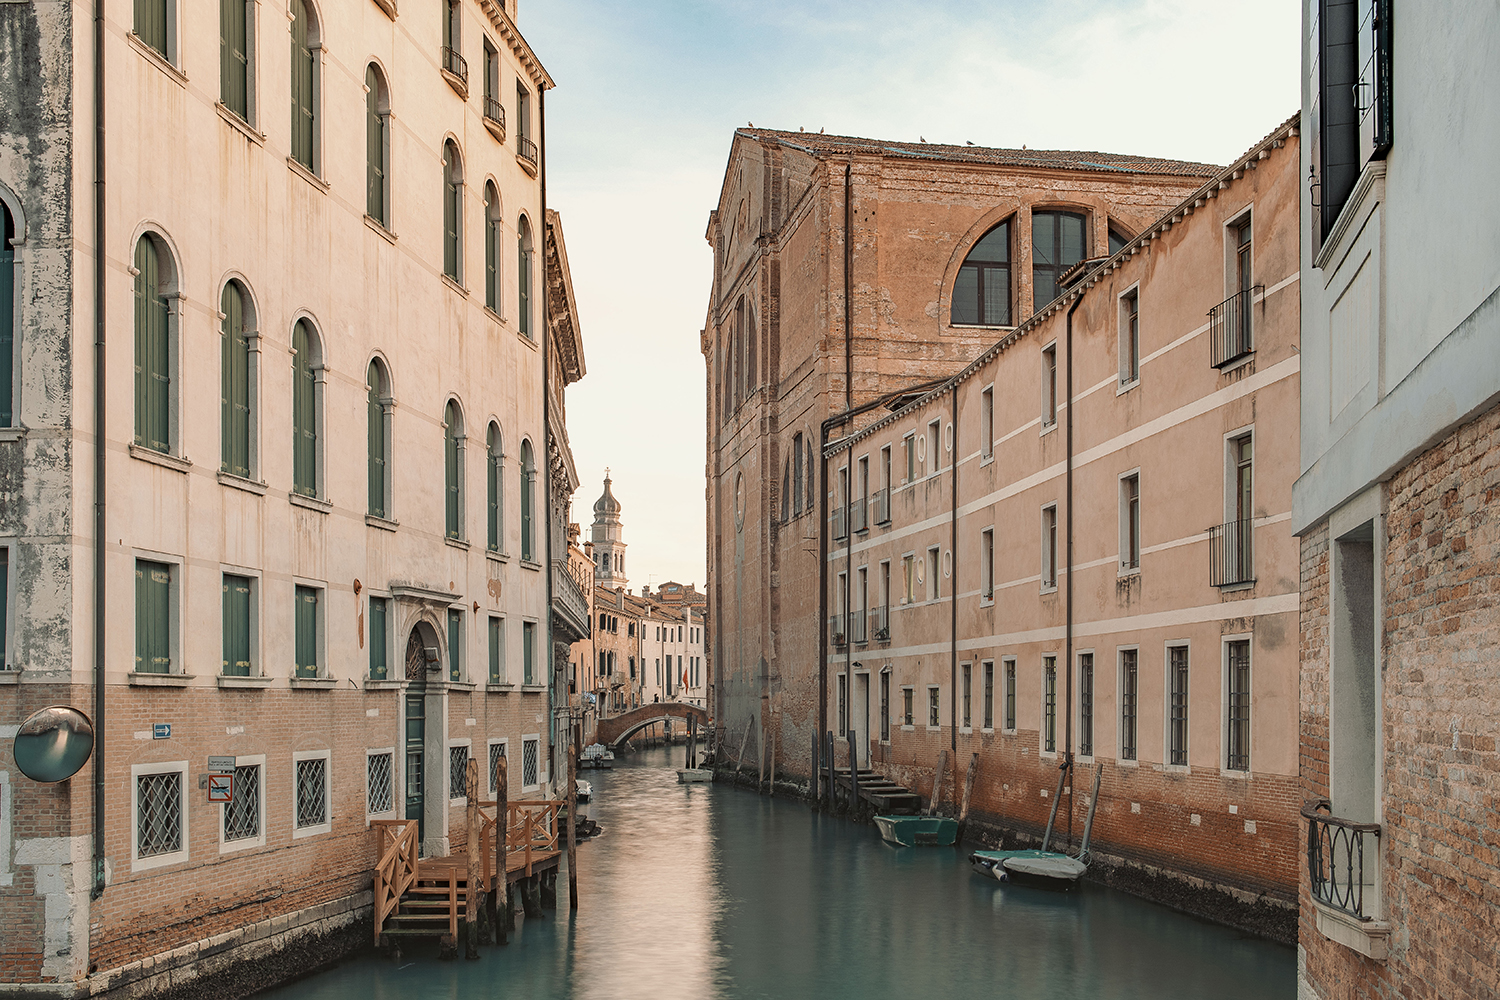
(609, 543)
(607, 504)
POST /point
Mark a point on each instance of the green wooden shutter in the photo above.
(236, 626)
(303, 113)
(7, 323)
(528, 652)
(379, 661)
(151, 23)
(523, 284)
(495, 641)
(152, 378)
(492, 491)
(526, 478)
(450, 470)
(304, 414)
(491, 251)
(4, 606)
(233, 65)
(455, 644)
(375, 419)
(235, 396)
(153, 618)
(307, 632)
(450, 212)
(374, 148)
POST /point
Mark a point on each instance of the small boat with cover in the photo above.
(1045, 868)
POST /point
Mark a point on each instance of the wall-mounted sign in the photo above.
(221, 765)
(220, 787)
(161, 731)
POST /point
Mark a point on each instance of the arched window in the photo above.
(453, 468)
(304, 85)
(492, 247)
(786, 490)
(1117, 240)
(8, 296)
(981, 293)
(797, 477)
(237, 379)
(378, 416)
(812, 479)
(153, 348)
(523, 276)
(307, 409)
(494, 487)
(453, 215)
(528, 477)
(1058, 241)
(377, 146)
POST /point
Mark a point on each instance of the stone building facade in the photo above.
(192, 549)
(836, 261)
(1074, 557)
(1396, 501)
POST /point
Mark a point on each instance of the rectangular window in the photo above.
(859, 512)
(861, 609)
(1049, 547)
(843, 705)
(528, 652)
(380, 790)
(1239, 705)
(1049, 385)
(312, 792)
(234, 66)
(1177, 711)
(987, 564)
(241, 814)
(910, 444)
(380, 642)
(1130, 521)
(885, 467)
(160, 821)
(935, 443)
(1086, 704)
(150, 24)
(934, 584)
(1010, 695)
(987, 421)
(1049, 704)
(497, 649)
(4, 608)
(236, 624)
(965, 686)
(530, 761)
(906, 706)
(908, 579)
(1130, 337)
(1129, 690)
(455, 644)
(153, 617)
(523, 114)
(989, 694)
(306, 625)
(458, 772)
(497, 754)
(885, 705)
(932, 707)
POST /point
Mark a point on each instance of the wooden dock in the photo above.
(883, 794)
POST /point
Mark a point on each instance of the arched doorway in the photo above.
(422, 734)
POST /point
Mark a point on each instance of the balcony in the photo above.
(859, 514)
(880, 623)
(857, 623)
(494, 117)
(882, 501)
(1336, 852)
(1231, 554)
(836, 630)
(1231, 327)
(456, 71)
(570, 608)
(526, 153)
(840, 529)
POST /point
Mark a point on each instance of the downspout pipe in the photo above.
(848, 287)
(822, 622)
(546, 333)
(1067, 762)
(99, 481)
(953, 594)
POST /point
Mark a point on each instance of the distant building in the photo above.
(607, 536)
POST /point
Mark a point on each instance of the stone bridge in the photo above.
(614, 731)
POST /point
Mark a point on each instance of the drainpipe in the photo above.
(1067, 763)
(546, 332)
(848, 288)
(99, 482)
(854, 754)
(953, 599)
(823, 599)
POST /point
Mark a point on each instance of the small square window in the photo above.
(311, 775)
(241, 819)
(458, 772)
(530, 761)
(380, 790)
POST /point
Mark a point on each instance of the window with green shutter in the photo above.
(497, 650)
(455, 644)
(527, 476)
(528, 652)
(304, 115)
(376, 124)
(306, 625)
(153, 618)
(375, 420)
(523, 276)
(151, 23)
(379, 641)
(236, 626)
(153, 383)
(491, 248)
(452, 210)
(7, 317)
(5, 608)
(452, 492)
(234, 396)
(304, 412)
(234, 66)
(492, 485)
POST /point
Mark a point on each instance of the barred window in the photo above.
(1129, 686)
(1086, 704)
(158, 814)
(379, 793)
(312, 792)
(1239, 705)
(1010, 694)
(1049, 704)
(1177, 675)
(497, 754)
(458, 772)
(529, 762)
(242, 811)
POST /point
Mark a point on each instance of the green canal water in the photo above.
(703, 892)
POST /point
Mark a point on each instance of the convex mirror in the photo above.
(54, 743)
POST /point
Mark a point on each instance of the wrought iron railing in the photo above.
(880, 623)
(859, 514)
(494, 111)
(882, 499)
(1231, 553)
(455, 64)
(568, 597)
(857, 622)
(1231, 327)
(836, 630)
(1336, 854)
(525, 148)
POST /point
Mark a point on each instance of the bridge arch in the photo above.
(616, 730)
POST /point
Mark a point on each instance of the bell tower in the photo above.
(609, 550)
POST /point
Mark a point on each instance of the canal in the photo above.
(716, 893)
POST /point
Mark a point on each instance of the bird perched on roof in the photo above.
(968, 142)
(922, 137)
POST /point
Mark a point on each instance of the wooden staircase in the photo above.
(883, 794)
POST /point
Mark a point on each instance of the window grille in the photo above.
(529, 762)
(967, 672)
(1049, 707)
(497, 754)
(458, 772)
(379, 794)
(1128, 691)
(158, 817)
(1010, 694)
(1239, 705)
(932, 707)
(242, 812)
(1086, 704)
(989, 696)
(906, 710)
(312, 792)
(1179, 681)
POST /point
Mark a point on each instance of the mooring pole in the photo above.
(476, 864)
(572, 827)
(504, 918)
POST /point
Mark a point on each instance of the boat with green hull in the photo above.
(918, 831)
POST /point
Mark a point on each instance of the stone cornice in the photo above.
(507, 30)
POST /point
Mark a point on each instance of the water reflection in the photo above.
(708, 892)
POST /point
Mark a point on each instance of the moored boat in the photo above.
(915, 831)
(693, 775)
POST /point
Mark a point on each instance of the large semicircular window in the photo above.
(981, 295)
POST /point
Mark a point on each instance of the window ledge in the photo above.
(457, 543)
(314, 683)
(1235, 588)
(453, 284)
(1049, 589)
(227, 681)
(383, 523)
(908, 728)
(374, 685)
(301, 170)
(987, 731)
(1225, 772)
(529, 341)
(1127, 762)
(1047, 427)
(1178, 769)
(969, 731)
(499, 688)
(159, 680)
(1370, 938)
(527, 165)
(161, 458)
(459, 84)
(388, 6)
(161, 61)
(1125, 387)
(462, 685)
(241, 483)
(495, 555)
(245, 128)
(986, 602)
(934, 729)
(533, 688)
(1128, 571)
(12, 433)
(10, 676)
(528, 564)
(311, 503)
(380, 228)
(497, 129)
(1234, 364)
(977, 326)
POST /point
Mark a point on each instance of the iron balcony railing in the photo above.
(857, 623)
(1231, 553)
(455, 64)
(494, 111)
(836, 630)
(880, 623)
(525, 148)
(568, 598)
(1336, 853)
(1231, 327)
(840, 531)
(858, 513)
(882, 501)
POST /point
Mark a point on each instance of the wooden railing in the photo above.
(531, 830)
(397, 870)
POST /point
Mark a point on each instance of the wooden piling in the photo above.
(771, 741)
(572, 827)
(505, 917)
(937, 784)
(476, 864)
(739, 762)
(963, 813)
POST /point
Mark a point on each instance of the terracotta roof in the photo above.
(817, 144)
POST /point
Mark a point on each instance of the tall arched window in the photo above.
(523, 276)
(453, 214)
(307, 371)
(236, 396)
(304, 85)
(153, 350)
(1057, 243)
(528, 477)
(377, 417)
(377, 146)
(7, 317)
(981, 293)
(453, 467)
(494, 487)
(492, 247)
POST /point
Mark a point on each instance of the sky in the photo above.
(649, 94)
